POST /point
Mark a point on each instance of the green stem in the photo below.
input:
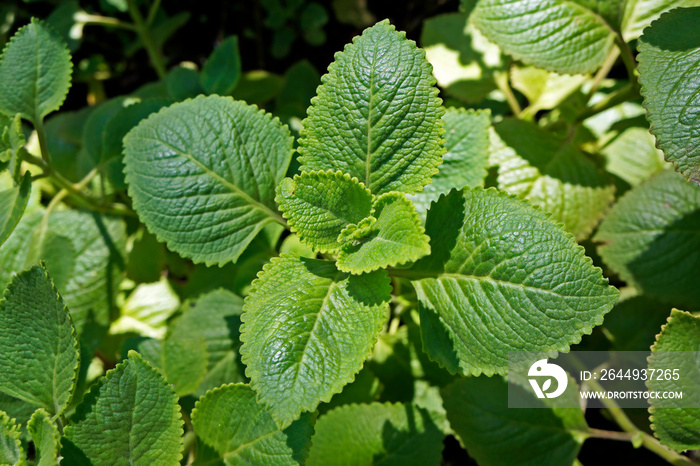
(603, 72)
(98, 20)
(156, 56)
(41, 136)
(627, 57)
(152, 12)
(501, 79)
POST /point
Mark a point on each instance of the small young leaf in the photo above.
(232, 427)
(477, 408)
(677, 427)
(11, 452)
(672, 98)
(130, 417)
(12, 139)
(202, 174)
(307, 329)
(641, 237)
(45, 437)
(13, 201)
(319, 205)
(215, 318)
(38, 347)
(397, 237)
(557, 35)
(552, 174)
(464, 163)
(502, 277)
(35, 71)
(377, 116)
(223, 68)
(147, 309)
(392, 434)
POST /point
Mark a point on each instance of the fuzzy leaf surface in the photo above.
(318, 205)
(677, 427)
(466, 159)
(396, 237)
(13, 201)
(11, 137)
(669, 71)
(552, 174)
(11, 451)
(233, 428)
(493, 434)
(307, 329)
(38, 346)
(651, 238)
(558, 35)
(502, 277)
(202, 174)
(35, 73)
(375, 433)
(377, 115)
(131, 417)
(47, 440)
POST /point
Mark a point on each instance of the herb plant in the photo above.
(191, 278)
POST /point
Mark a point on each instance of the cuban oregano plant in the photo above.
(191, 278)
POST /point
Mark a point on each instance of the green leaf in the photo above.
(377, 115)
(131, 417)
(307, 329)
(39, 357)
(466, 159)
(632, 156)
(638, 14)
(651, 239)
(672, 99)
(463, 60)
(677, 427)
(258, 87)
(300, 83)
(395, 238)
(557, 35)
(633, 323)
(223, 68)
(13, 201)
(493, 434)
(183, 83)
(46, 438)
(551, 173)
(11, 451)
(147, 310)
(202, 175)
(544, 90)
(318, 205)
(215, 318)
(35, 71)
(233, 428)
(388, 434)
(183, 362)
(64, 141)
(12, 140)
(502, 277)
(96, 124)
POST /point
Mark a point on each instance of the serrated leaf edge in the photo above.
(54, 431)
(13, 431)
(136, 204)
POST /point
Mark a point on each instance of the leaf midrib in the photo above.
(369, 119)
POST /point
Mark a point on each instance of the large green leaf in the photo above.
(319, 205)
(677, 427)
(38, 345)
(651, 237)
(466, 159)
(638, 14)
(558, 35)
(377, 115)
(232, 428)
(215, 318)
(387, 434)
(552, 174)
(11, 452)
(13, 201)
(502, 277)
(307, 329)
(131, 417)
(392, 236)
(202, 174)
(493, 434)
(669, 69)
(45, 437)
(35, 71)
